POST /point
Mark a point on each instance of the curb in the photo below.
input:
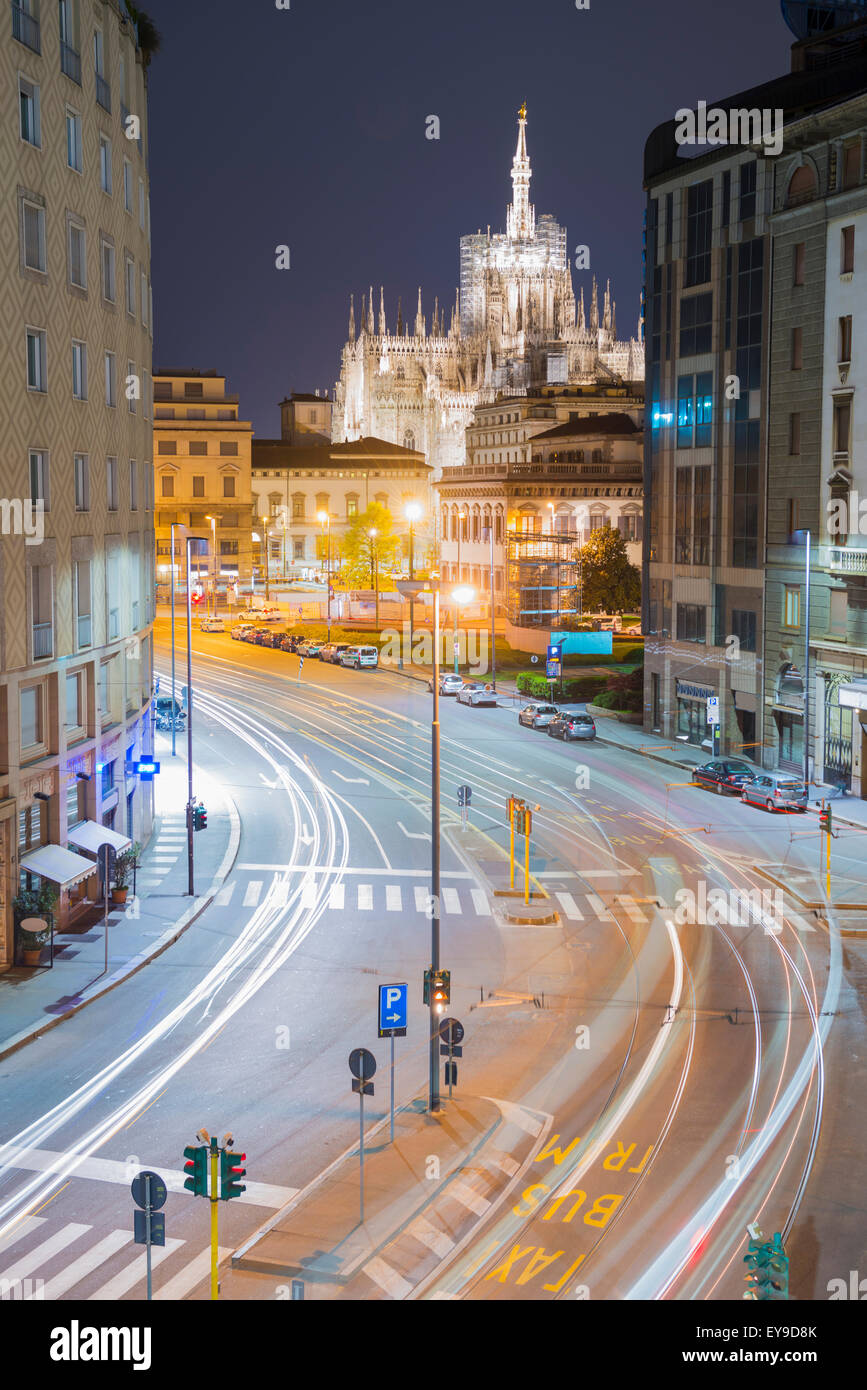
(169, 937)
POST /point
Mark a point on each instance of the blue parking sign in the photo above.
(393, 1001)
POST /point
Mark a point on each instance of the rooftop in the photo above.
(591, 425)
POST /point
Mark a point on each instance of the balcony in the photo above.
(70, 62)
(113, 624)
(25, 29)
(84, 632)
(103, 93)
(43, 641)
(843, 560)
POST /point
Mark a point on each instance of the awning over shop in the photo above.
(58, 865)
(89, 835)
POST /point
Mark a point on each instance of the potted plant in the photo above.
(123, 869)
(32, 905)
(30, 944)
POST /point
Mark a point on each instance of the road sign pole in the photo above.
(526, 856)
(215, 1159)
(392, 1088)
(147, 1187)
(361, 1151)
(433, 1056)
(512, 840)
(190, 869)
(451, 1035)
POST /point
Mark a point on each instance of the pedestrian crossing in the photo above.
(59, 1263)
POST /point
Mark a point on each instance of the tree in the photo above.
(363, 552)
(611, 584)
(149, 36)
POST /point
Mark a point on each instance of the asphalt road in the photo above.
(700, 1074)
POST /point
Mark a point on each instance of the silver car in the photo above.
(538, 716)
(450, 683)
(477, 695)
(776, 791)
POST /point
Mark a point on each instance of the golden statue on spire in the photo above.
(523, 112)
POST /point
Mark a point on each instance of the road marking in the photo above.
(504, 1162)
(45, 1251)
(374, 872)
(308, 894)
(517, 1115)
(387, 1278)
(365, 897)
(437, 1241)
(363, 780)
(800, 922)
(393, 898)
(413, 834)
(480, 902)
(422, 897)
(224, 897)
(86, 1264)
(337, 896)
(599, 907)
(134, 1272)
(570, 907)
(258, 1194)
(451, 901)
(254, 888)
(27, 1227)
(631, 909)
(191, 1275)
(468, 1197)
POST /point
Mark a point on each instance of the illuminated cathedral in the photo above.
(514, 327)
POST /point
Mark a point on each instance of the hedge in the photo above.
(575, 690)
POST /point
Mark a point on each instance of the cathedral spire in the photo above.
(582, 322)
(363, 314)
(399, 318)
(419, 318)
(370, 323)
(382, 327)
(594, 309)
(521, 216)
(606, 313)
(435, 329)
(613, 321)
(352, 318)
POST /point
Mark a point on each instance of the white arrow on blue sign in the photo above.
(393, 1003)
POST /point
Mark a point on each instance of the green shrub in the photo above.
(574, 690)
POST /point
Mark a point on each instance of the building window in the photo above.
(744, 628)
(39, 485)
(111, 483)
(40, 591)
(30, 704)
(29, 114)
(133, 485)
(73, 140)
(79, 370)
(298, 507)
(229, 519)
(725, 214)
(685, 411)
(838, 620)
(699, 223)
(198, 447)
(37, 359)
(691, 622)
(298, 549)
(74, 720)
(127, 186)
(844, 343)
(696, 325)
(793, 517)
(167, 485)
(109, 291)
(745, 509)
(703, 408)
(229, 487)
(748, 190)
(83, 606)
(105, 181)
(144, 300)
(683, 486)
(802, 185)
(852, 166)
(351, 507)
(228, 547)
(110, 379)
(228, 449)
(196, 389)
(795, 432)
(701, 516)
(799, 263)
(791, 606)
(81, 471)
(167, 446)
(198, 485)
(797, 349)
(129, 275)
(33, 222)
(842, 426)
(142, 204)
(77, 255)
(132, 387)
(847, 250)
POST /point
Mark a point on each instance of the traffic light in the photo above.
(200, 817)
(440, 989)
(231, 1169)
(197, 1168)
(825, 819)
(768, 1264)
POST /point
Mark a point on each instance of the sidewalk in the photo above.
(33, 1001)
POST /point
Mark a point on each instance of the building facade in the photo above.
(202, 467)
(514, 328)
(77, 545)
(306, 418)
(817, 471)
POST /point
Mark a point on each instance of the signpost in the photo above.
(393, 1006)
(554, 665)
(451, 1036)
(149, 1192)
(713, 720)
(362, 1064)
(106, 857)
(465, 800)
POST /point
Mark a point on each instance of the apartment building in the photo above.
(76, 551)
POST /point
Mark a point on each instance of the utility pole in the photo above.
(190, 873)
(434, 1079)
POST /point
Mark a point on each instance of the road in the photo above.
(699, 1075)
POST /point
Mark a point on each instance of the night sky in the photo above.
(306, 127)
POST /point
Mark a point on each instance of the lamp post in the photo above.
(490, 538)
(374, 572)
(181, 526)
(190, 874)
(213, 521)
(808, 535)
(434, 1060)
(325, 521)
(412, 512)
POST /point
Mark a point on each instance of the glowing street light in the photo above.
(461, 595)
(213, 521)
(325, 521)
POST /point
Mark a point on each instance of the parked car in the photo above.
(332, 652)
(477, 694)
(723, 774)
(450, 684)
(266, 615)
(240, 630)
(288, 641)
(165, 707)
(269, 638)
(257, 636)
(776, 791)
(572, 726)
(359, 656)
(212, 625)
(537, 716)
(309, 648)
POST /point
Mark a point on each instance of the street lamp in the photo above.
(490, 537)
(176, 525)
(374, 572)
(463, 594)
(461, 517)
(412, 512)
(808, 535)
(213, 521)
(325, 521)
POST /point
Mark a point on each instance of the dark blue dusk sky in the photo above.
(306, 127)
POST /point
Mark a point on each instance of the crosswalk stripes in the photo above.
(191, 1275)
(632, 910)
(24, 1228)
(337, 896)
(29, 1263)
(480, 902)
(224, 897)
(421, 899)
(451, 900)
(86, 1264)
(800, 922)
(365, 897)
(254, 888)
(393, 898)
(135, 1272)
(599, 907)
(570, 907)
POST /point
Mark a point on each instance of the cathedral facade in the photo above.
(514, 328)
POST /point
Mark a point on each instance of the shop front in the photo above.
(788, 711)
(691, 723)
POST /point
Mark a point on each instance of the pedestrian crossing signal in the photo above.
(231, 1169)
(825, 819)
(768, 1265)
(196, 1168)
(200, 817)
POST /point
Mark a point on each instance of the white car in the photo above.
(359, 656)
(477, 695)
(265, 615)
(450, 684)
(212, 625)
